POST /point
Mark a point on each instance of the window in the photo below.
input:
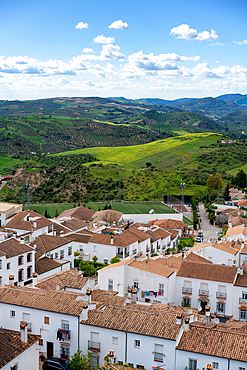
(1, 280)
(158, 352)
(187, 284)
(222, 288)
(106, 261)
(161, 289)
(244, 295)
(137, 343)
(1, 264)
(230, 262)
(29, 257)
(49, 228)
(64, 350)
(215, 365)
(65, 325)
(8, 266)
(135, 285)
(20, 260)
(46, 320)
(51, 256)
(241, 368)
(21, 275)
(204, 286)
(242, 315)
(56, 254)
(12, 314)
(115, 340)
(94, 247)
(61, 254)
(70, 250)
(186, 302)
(110, 284)
(29, 272)
(221, 308)
(192, 364)
(41, 342)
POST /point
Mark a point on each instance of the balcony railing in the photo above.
(221, 295)
(186, 290)
(242, 300)
(127, 254)
(119, 255)
(94, 345)
(204, 291)
(158, 356)
(190, 368)
(134, 251)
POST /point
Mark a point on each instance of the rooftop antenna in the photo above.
(23, 186)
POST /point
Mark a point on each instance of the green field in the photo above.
(6, 165)
(126, 207)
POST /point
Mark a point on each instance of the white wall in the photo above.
(30, 356)
(144, 218)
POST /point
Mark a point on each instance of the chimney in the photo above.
(88, 293)
(129, 292)
(234, 263)
(35, 278)
(61, 232)
(240, 271)
(11, 280)
(207, 311)
(85, 312)
(34, 223)
(134, 294)
(111, 239)
(54, 232)
(23, 331)
(179, 319)
(186, 324)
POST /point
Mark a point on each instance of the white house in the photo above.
(7, 210)
(17, 349)
(53, 314)
(202, 283)
(29, 225)
(153, 278)
(16, 260)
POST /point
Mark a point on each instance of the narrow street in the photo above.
(209, 231)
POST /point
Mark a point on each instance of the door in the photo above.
(49, 349)
(192, 364)
(203, 305)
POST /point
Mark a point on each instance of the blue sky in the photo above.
(164, 49)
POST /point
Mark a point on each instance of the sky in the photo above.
(135, 49)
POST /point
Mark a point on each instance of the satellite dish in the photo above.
(199, 308)
(190, 312)
(57, 287)
(216, 321)
(85, 298)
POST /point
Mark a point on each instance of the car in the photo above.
(56, 363)
(198, 239)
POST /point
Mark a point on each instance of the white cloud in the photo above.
(103, 40)
(217, 44)
(88, 51)
(111, 51)
(184, 31)
(241, 43)
(119, 25)
(81, 25)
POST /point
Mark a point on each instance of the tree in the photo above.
(95, 258)
(56, 214)
(241, 179)
(115, 260)
(81, 362)
(226, 195)
(220, 198)
(215, 182)
(87, 267)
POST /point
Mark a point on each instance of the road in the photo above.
(209, 231)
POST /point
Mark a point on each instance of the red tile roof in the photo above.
(12, 247)
(16, 222)
(80, 212)
(46, 243)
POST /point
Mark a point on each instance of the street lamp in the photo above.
(182, 184)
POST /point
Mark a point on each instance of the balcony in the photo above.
(93, 345)
(242, 300)
(134, 251)
(127, 254)
(186, 290)
(221, 295)
(158, 356)
(204, 291)
(119, 255)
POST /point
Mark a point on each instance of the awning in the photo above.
(221, 302)
(244, 308)
(186, 297)
(203, 299)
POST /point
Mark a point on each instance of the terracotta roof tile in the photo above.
(74, 224)
(80, 212)
(55, 301)
(207, 271)
(196, 258)
(46, 243)
(225, 247)
(157, 266)
(46, 264)
(169, 224)
(11, 345)
(209, 340)
(63, 279)
(16, 222)
(12, 247)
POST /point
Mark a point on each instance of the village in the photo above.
(157, 307)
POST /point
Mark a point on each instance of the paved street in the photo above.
(209, 231)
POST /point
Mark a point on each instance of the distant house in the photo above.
(7, 210)
(80, 212)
